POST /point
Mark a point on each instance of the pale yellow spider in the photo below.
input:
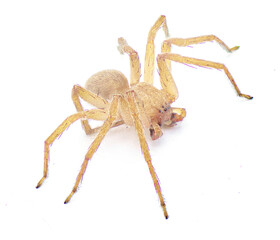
(140, 104)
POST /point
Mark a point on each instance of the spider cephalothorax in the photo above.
(136, 103)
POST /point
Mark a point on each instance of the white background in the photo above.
(219, 168)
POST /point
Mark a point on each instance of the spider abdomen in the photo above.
(107, 83)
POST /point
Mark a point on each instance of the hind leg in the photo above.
(78, 93)
(96, 114)
(135, 68)
(112, 115)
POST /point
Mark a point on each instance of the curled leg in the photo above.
(135, 69)
(144, 147)
(96, 114)
(93, 147)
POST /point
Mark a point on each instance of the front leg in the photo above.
(184, 42)
(144, 147)
(167, 81)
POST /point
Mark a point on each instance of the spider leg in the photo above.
(96, 114)
(168, 83)
(93, 99)
(150, 49)
(135, 69)
(144, 147)
(183, 42)
(112, 115)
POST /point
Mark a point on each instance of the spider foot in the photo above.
(164, 210)
(41, 182)
(69, 197)
(245, 96)
(234, 48)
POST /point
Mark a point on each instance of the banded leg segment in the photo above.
(93, 147)
(183, 42)
(168, 83)
(135, 69)
(150, 49)
(144, 147)
(96, 114)
(93, 99)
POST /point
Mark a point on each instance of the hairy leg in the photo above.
(112, 115)
(96, 114)
(93, 99)
(168, 83)
(144, 147)
(135, 69)
(183, 42)
(150, 49)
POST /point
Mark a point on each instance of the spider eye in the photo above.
(165, 108)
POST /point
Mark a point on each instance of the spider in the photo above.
(137, 104)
